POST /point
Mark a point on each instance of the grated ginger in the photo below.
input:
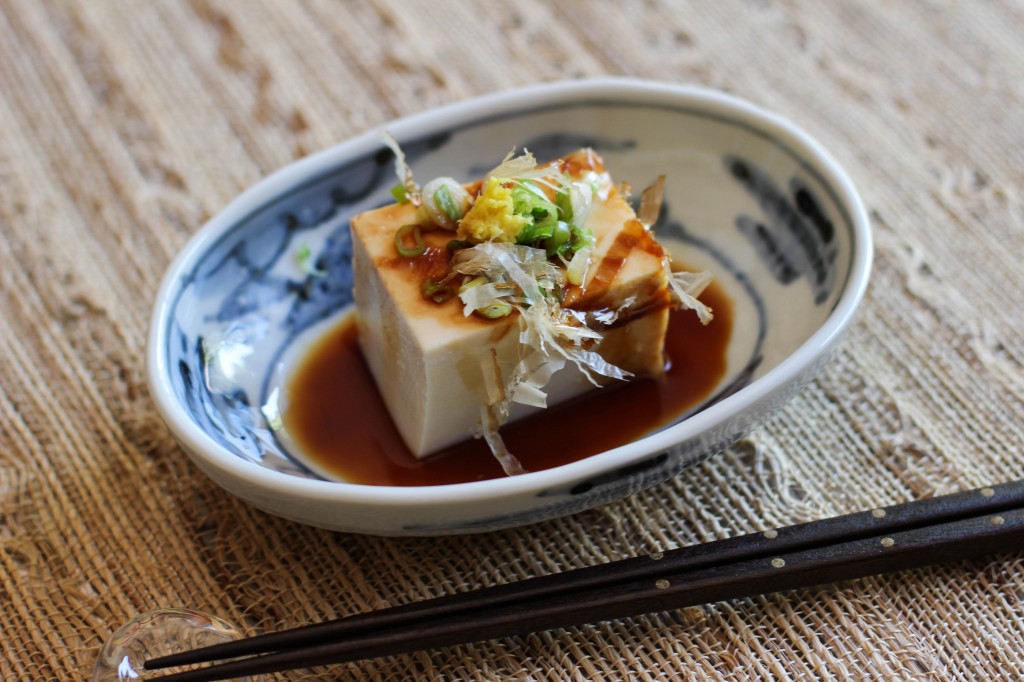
(492, 217)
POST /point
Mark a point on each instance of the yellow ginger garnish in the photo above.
(492, 217)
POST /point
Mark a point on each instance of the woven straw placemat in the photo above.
(125, 124)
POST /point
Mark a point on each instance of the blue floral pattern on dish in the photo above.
(794, 237)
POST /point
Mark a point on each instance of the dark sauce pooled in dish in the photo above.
(337, 418)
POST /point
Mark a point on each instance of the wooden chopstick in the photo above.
(958, 526)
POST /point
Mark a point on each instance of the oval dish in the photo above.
(749, 197)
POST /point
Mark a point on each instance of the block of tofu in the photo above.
(427, 358)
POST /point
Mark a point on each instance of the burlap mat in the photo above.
(124, 125)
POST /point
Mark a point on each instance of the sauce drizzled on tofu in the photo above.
(590, 296)
(337, 418)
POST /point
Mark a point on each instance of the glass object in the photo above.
(159, 633)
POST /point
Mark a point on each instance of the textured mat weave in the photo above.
(124, 125)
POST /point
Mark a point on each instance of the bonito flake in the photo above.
(479, 303)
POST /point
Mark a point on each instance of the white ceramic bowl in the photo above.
(750, 197)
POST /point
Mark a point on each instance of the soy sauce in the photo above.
(338, 419)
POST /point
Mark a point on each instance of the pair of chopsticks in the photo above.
(948, 528)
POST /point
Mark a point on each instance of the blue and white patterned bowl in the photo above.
(750, 197)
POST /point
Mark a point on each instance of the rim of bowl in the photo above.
(201, 445)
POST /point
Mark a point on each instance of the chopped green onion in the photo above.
(458, 244)
(446, 203)
(531, 234)
(530, 202)
(303, 256)
(436, 291)
(541, 229)
(495, 310)
(400, 194)
(527, 197)
(558, 239)
(564, 202)
(418, 246)
(475, 282)
(581, 237)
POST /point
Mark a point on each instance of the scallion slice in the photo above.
(418, 245)
(305, 259)
(559, 238)
(458, 244)
(475, 282)
(495, 310)
(436, 291)
(400, 194)
(446, 203)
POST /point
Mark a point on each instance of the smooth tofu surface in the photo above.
(427, 358)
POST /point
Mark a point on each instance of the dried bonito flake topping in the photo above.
(521, 241)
